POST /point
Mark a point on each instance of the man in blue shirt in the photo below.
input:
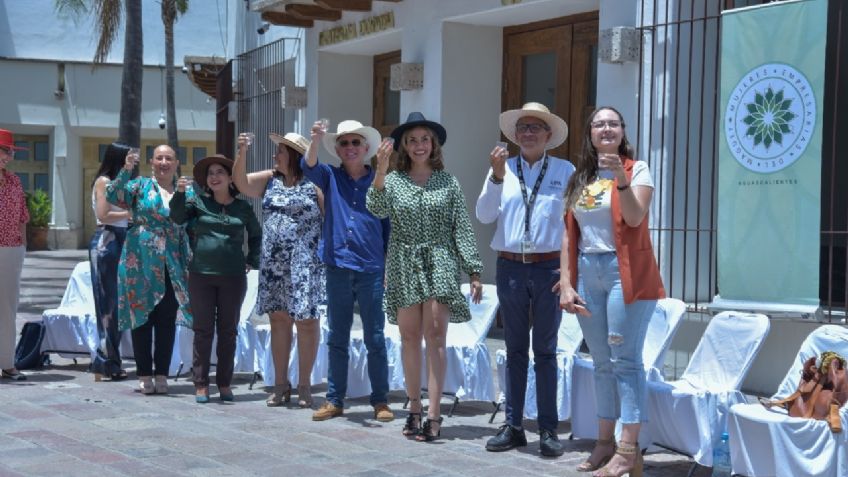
(353, 246)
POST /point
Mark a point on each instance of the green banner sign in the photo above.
(770, 144)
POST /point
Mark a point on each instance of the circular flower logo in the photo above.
(770, 117)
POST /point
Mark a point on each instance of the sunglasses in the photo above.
(7, 150)
(352, 142)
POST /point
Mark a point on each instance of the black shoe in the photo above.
(549, 444)
(508, 437)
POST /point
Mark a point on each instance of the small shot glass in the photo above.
(249, 137)
(325, 124)
(501, 144)
(390, 140)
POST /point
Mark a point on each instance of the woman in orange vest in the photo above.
(607, 254)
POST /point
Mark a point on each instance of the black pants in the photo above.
(158, 333)
(215, 305)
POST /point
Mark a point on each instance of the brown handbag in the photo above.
(822, 391)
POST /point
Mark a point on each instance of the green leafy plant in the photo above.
(40, 208)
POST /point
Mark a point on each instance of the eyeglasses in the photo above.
(612, 123)
(7, 150)
(534, 128)
(352, 142)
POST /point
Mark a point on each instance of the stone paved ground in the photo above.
(60, 422)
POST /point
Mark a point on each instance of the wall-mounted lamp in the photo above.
(406, 76)
(265, 27)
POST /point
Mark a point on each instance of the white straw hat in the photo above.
(372, 137)
(559, 129)
(292, 140)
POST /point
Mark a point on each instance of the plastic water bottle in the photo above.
(721, 457)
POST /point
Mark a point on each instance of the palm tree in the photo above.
(107, 18)
(171, 9)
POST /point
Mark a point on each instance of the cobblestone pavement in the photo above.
(60, 422)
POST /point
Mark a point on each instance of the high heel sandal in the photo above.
(304, 396)
(279, 396)
(626, 450)
(412, 427)
(426, 434)
(588, 466)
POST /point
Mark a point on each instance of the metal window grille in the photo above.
(262, 74)
(677, 135)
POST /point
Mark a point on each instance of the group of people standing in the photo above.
(569, 236)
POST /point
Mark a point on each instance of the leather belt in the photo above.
(529, 257)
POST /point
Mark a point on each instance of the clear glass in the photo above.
(502, 144)
(325, 124)
(249, 137)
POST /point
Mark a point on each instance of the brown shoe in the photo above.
(327, 410)
(382, 413)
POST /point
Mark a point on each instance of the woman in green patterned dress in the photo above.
(430, 242)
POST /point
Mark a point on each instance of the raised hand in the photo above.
(131, 159)
(384, 152)
(497, 158)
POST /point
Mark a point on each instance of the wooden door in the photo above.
(553, 62)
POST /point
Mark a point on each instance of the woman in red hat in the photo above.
(13, 222)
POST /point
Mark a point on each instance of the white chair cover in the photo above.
(468, 373)
(769, 442)
(689, 415)
(71, 329)
(663, 326)
(569, 337)
(258, 338)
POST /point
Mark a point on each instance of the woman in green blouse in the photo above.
(430, 242)
(217, 280)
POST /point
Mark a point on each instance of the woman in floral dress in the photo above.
(291, 276)
(152, 290)
(430, 242)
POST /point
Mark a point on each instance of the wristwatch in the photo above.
(622, 187)
(495, 181)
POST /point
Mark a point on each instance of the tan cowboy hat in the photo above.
(559, 129)
(372, 137)
(292, 140)
(201, 166)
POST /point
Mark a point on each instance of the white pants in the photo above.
(11, 262)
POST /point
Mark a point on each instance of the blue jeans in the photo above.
(343, 288)
(524, 288)
(615, 334)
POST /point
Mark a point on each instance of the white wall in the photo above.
(470, 106)
(345, 89)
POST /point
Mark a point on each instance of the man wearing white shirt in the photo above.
(525, 196)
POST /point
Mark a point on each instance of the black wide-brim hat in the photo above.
(416, 119)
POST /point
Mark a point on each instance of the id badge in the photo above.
(527, 245)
